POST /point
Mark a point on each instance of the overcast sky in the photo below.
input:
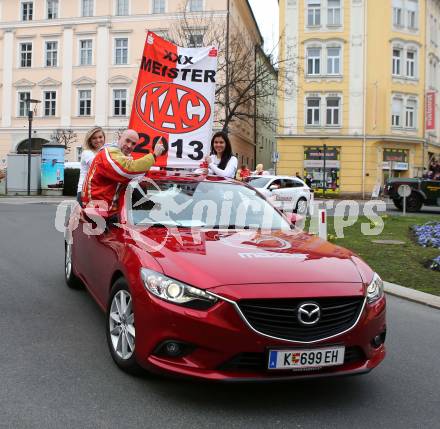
(266, 14)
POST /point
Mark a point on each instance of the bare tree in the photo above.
(244, 78)
(64, 137)
(118, 133)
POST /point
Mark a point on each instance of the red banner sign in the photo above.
(430, 111)
(174, 102)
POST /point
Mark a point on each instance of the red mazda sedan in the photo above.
(200, 276)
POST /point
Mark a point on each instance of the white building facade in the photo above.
(81, 58)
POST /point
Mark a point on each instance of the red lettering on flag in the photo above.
(172, 108)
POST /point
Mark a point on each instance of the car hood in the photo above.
(211, 258)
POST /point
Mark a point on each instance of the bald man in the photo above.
(113, 167)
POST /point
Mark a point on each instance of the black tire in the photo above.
(414, 203)
(120, 290)
(398, 204)
(72, 281)
(297, 208)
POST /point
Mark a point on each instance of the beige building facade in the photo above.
(80, 58)
(360, 98)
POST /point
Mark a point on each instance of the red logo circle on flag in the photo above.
(172, 108)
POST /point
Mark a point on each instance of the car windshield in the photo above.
(200, 204)
(258, 182)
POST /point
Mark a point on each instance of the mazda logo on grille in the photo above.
(309, 313)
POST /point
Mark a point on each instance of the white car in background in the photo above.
(284, 192)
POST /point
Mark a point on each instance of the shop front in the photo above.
(322, 167)
(395, 163)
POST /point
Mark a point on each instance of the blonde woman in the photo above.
(259, 170)
(94, 140)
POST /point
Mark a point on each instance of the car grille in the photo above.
(278, 317)
(258, 361)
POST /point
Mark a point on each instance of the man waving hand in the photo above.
(113, 167)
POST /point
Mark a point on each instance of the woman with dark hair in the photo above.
(221, 162)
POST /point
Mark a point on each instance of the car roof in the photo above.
(186, 176)
(269, 176)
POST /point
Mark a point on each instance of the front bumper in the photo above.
(224, 348)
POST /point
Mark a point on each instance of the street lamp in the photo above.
(30, 117)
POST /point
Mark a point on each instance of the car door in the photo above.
(264, 189)
(288, 194)
(299, 190)
(275, 195)
(97, 250)
(431, 188)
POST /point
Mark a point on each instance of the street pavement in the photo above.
(56, 372)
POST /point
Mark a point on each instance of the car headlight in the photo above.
(375, 289)
(176, 292)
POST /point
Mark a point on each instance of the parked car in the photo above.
(189, 290)
(423, 192)
(284, 192)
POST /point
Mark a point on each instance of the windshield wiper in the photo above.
(230, 227)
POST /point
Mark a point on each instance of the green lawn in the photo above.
(396, 263)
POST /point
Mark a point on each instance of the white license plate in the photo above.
(306, 358)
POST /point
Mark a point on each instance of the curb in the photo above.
(18, 200)
(412, 295)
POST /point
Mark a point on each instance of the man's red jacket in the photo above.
(110, 170)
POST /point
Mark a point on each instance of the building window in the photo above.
(50, 103)
(121, 51)
(411, 64)
(121, 7)
(25, 54)
(51, 54)
(23, 105)
(159, 6)
(333, 60)
(85, 102)
(162, 33)
(86, 7)
(397, 13)
(85, 52)
(313, 61)
(397, 54)
(396, 114)
(195, 40)
(313, 111)
(78, 153)
(333, 111)
(412, 9)
(195, 5)
(27, 10)
(52, 9)
(435, 32)
(410, 114)
(334, 12)
(313, 13)
(120, 102)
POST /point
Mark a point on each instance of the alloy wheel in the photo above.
(301, 206)
(121, 325)
(68, 262)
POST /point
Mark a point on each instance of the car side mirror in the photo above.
(273, 187)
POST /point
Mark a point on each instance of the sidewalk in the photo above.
(412, 295)
(38, 199)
